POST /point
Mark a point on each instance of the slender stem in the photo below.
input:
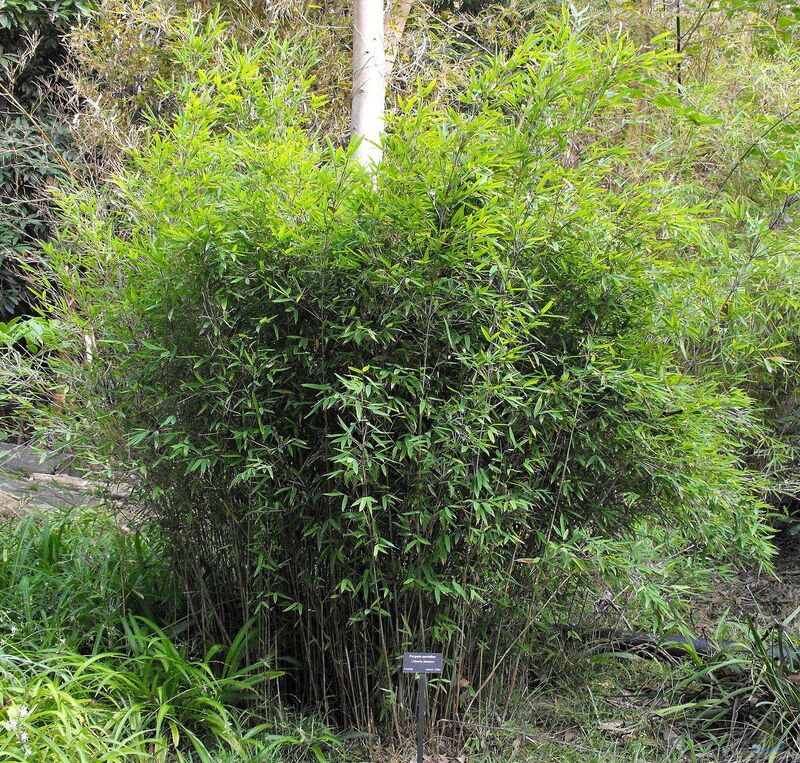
(14, 102)
(678, 48)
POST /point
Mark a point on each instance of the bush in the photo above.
(27, 386)
(370, 412)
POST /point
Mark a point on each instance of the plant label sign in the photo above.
(423, 662)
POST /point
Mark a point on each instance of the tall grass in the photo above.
(151, 702)
(74, 577)
(746, 697)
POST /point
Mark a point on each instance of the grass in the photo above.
(88, 676)
(150, 702)
(598, 709)
(72, 578)
(85, 674)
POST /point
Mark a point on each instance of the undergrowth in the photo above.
(87, 675)
(94, 668)
(75, 578)
(746, 696)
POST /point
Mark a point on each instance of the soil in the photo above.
(768, 598)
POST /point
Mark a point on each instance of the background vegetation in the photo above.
(35, 148)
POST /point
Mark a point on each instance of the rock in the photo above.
(10, 505)
(68, 482)
(28, 483)
(63, 480)
(22, 459)
(19, 496)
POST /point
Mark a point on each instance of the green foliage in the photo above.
(30, 16)
(308, 740)
(82, 676)
(28, 166)
(36, 334)
(366, 410)
(724, 138)
(747, 693)
(646, 577)
(76, 577)
(153, 703)
(34, 138)
(732, 308)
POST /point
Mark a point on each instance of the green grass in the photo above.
(84, 675)
(73, 578)
(149, 702)
(88, 676)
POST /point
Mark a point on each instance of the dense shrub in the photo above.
(725, 139)
(374, 414)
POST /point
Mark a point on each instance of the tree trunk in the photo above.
(369, 80)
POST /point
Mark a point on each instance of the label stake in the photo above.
(422, 663)
(422, 691)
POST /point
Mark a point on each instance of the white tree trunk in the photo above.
(369, 80)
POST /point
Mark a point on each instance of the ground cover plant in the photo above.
(85, 675)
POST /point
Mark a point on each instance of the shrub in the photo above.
(27, 385)
(368, 412)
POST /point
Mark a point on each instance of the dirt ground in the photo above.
(768, 598)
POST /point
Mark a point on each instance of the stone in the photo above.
(22, 459)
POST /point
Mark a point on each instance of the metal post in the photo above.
(422, 690)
